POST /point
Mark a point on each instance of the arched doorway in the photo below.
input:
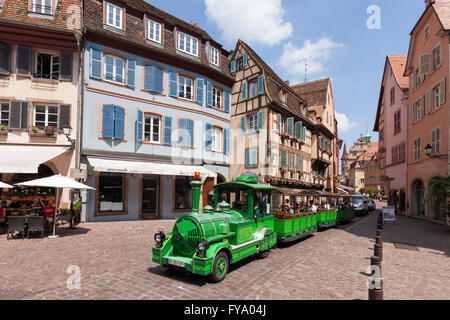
(418, 198)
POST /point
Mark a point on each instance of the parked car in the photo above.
(372, 205)
(361, 205)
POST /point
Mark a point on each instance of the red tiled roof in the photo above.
(314, 92)
(398, 63)
(442, 8)
(367, 156)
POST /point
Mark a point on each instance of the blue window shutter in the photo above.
(168, 131)
(260, 120)
(243, 124)
(158, 79)
(139, 126)
(298, 130)
(119, 123)
(244, 90)
(200, 89)
(227, 104)
(148, 77)
(233, 66)
(244, 59)
(108, 121)
(226, 141)
(304, 133)
(131, 72)
(208, 137)
(209, 94)
(283, 159)
(173, 86)
(279, 123)
(95, 57)
(190, 129)
(320, 142)
(246, 157)
(181, 132)
(290, 126)
(261, 84)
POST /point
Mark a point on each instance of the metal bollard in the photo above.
(379, 232)
(378, 251)
(376, 294)
(375, 261)
(379, 240)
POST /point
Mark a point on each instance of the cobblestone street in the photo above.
(115, 263)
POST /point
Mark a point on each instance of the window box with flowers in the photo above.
(294, 139)
(48, 131)
(301, 141)
(3, 130)
(284, 135)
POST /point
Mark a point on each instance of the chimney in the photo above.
(429, 2)
(196, 25)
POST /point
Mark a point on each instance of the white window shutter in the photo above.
(442, 91)
(422, 106)
(428, 102)
(412, 113)
(424, 64)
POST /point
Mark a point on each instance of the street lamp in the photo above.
(429, 153)
(67, 130)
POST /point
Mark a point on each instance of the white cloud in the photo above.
(255, 21)
(316, 53)
(344, 124)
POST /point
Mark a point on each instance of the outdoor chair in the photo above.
(64, 218)
(16, 224)
(35, 224)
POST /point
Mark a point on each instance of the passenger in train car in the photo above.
(286, 206)
(312, 206)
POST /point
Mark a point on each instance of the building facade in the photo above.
(156, 110)
(357, 172)
(392, 125)
(360, 146)
(428, 113)
(39, 90)
(273, 135)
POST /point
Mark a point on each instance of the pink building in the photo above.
(392, 123)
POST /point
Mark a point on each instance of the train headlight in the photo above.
(160, 237)
(203, 246)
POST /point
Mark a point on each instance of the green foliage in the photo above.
(439, 188)
(77, 206)
(2, 127)
(64, 211)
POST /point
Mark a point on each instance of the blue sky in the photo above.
(334, 32)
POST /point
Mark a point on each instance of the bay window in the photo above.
(152, 128)
(187, 44)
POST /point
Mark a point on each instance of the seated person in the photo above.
(312, 206)
(326, 205)
(37, 206)
(256, 210)
(15, 204)
(2, 212)
(49, 212)
(286, 206)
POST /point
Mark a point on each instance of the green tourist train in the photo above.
(244, 222)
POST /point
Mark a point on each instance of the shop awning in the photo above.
(26, 159)
(143, 167)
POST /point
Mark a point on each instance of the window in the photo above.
(426, 33)
(42, 6)
(437, 57)
(240, 64)
(401, 152)
(47, 66)
(4, 114)
(251, 158)
(252, 123)
(111, 191)
(154, 31)
(153, 78)
(214, 56)
(152, 128)
(187, 44)
(436, 141)
(417, 149)
(114, 69)
(185, 88)
(183, 193)
(283, 96)
(397, 122)
(216, 139)
(114, 15)
(418, 78)
(217, 98)
(436, 97)
(253, 89)
(419, 114)
(393, 95)
(45, 116)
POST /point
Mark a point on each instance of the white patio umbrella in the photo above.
(5, 186)
(57, 182)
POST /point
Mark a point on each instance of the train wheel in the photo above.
(220, 267)
(263, 254)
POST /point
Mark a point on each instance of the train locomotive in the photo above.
(242, 225)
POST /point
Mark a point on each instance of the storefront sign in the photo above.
(389, 214)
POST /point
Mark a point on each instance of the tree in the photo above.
(439, 189)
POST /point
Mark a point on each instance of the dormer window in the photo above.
(283, 96)
(39, 6)
(187, 44)
(214, 56)
(114, 15)
(154, 31)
